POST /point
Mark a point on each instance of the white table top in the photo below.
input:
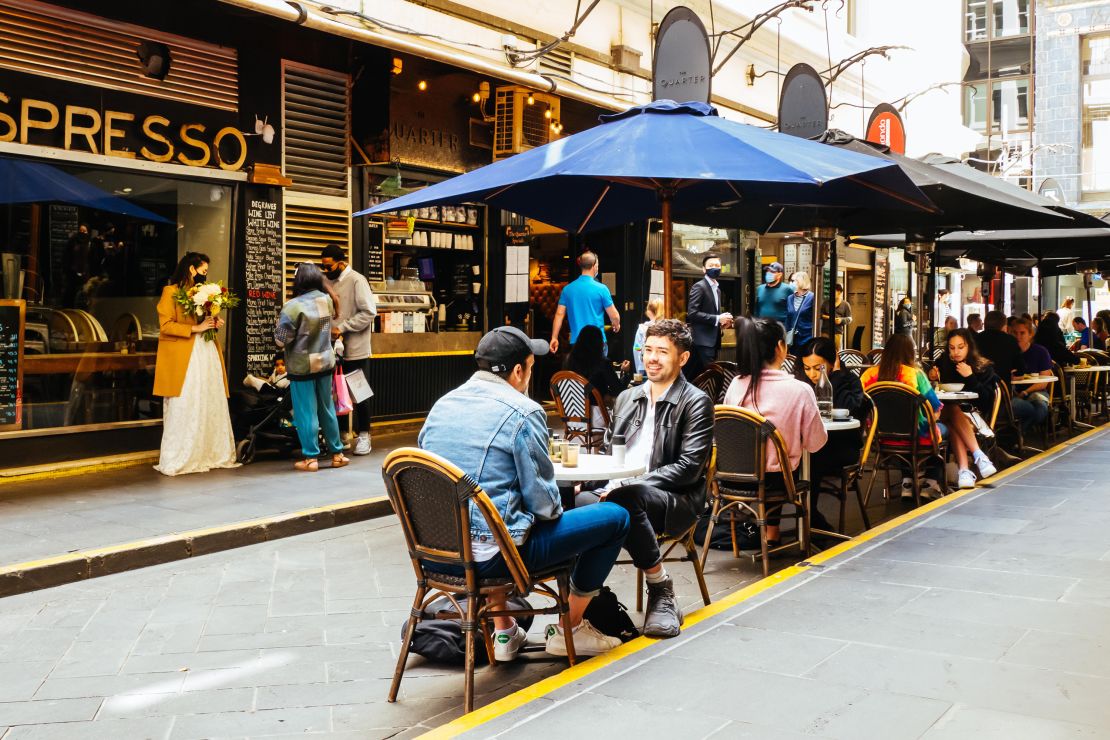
(839, 425)
(1088, 369)
(957, 395)
(596, 467)
(1034, 381)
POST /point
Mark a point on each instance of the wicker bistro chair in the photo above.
(575, 401)
(1058, 404)
(900, 442)
(849, 479)
(1003, 422)
(788, 364)
(729, 370)
(739, 481)
(432, 498)
(686, 541)
(853, 360)
(712, 382)
(874, 356)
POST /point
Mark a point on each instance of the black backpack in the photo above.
(439, 637)
(610, 616)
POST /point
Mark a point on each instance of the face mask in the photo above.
(198, 278)
(334, 274)
(713, 272)
(769, 277)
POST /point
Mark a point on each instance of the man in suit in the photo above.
(703, 311)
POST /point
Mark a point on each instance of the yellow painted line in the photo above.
(80, 555)
(67, 470)
(568, 676)
(445, 353)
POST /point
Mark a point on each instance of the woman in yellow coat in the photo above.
(189, 375)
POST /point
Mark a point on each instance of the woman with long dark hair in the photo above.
(304, 332)
(1049, 336)
(962, 363)
(587, 358)
(189, 374)
(786, 402)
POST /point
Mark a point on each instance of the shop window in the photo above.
(92, 279)
(1095, 162)
(975, 107)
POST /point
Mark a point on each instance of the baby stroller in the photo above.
(263, 421)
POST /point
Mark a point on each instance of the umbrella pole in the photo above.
(666, 209)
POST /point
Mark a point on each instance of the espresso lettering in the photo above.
(234, 133)
(27, 123)
(186, 139)
(7, 120)
(148, 129)
(110, 133)
(89, 131)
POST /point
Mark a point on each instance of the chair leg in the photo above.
(841, 521)
(639, 590)
(801, 519)
(563, 582)
(709, 530)
(695, 560)
(484, 624)
(862, 505)
(421, 592)
(764, 549)
(470, 630)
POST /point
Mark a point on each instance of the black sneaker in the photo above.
(662, 617)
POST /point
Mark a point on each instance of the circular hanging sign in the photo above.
(681, 65)
(885, 127)
(803, 107)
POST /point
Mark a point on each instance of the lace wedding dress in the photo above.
(196, 426)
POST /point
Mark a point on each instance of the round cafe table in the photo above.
(591, 467)
(1072, 373)
(831, 425)
(957, 395)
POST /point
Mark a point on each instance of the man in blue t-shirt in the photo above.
(583, 302)
(771, 298)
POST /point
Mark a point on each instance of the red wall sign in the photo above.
(886, 128)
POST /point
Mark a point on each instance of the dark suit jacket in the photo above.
(702, 312)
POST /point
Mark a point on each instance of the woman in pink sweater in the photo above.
(783, 400)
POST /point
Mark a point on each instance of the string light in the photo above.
(422, 85)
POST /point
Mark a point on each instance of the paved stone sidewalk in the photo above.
(989, 618)
(50, 517)
(294, 636)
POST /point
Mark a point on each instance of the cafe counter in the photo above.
(410, 372)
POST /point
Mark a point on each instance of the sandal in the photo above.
(339, 460)
(308, 465)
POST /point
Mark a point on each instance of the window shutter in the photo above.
(316, 131)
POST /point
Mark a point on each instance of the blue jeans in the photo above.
(595, 534)
(1029, 413)
(313, 410)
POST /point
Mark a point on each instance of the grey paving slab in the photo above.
(987, 724)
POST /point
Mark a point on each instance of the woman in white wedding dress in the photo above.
(189, 375)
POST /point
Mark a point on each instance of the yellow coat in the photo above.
(175, 346)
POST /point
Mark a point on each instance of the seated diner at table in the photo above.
(667, 425)
(785, 401)
(962, 364)
(1031, 401)
(497, 435)
(897, 365)
(1049, 336)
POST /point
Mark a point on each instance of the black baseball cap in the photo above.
(506, 347)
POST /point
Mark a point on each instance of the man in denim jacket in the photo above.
(490, 429)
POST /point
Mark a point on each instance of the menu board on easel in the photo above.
(13, 316)
(878, 320)
(263, 273)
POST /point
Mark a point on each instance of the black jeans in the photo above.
(647, 514)
(362, 410)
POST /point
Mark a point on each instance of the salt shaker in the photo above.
(617, 449)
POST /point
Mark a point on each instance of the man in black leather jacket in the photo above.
(667, 424)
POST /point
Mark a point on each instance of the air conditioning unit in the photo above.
(523, 119)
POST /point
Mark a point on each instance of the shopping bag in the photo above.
(358, 386)
(343, 404)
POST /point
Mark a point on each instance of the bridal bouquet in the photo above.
(206, 299)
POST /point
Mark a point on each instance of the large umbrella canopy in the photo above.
(24, 181)
(965, 199)
(684, 154)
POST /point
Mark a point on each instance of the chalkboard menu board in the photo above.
(375, 252)
(12, 318)
(63, 225)
(878, 320)
(262, 248)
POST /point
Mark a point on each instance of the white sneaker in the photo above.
(506, 646)
(587, 640)
(362, 445)
(907, 488)
(965, 479)
(986, 467)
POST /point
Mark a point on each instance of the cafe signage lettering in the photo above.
(31, 121)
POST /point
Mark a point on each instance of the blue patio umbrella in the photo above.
(665, 156)
(25, 181)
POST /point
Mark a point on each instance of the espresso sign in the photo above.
(803, 107)
(681, 65)
(885, 127)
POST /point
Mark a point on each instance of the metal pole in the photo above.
(822, 237)
(667, 256)
(832, 294)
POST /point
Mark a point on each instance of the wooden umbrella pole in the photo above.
(666, 196)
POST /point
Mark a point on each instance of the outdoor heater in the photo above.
(921, 248)
(823, 238)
